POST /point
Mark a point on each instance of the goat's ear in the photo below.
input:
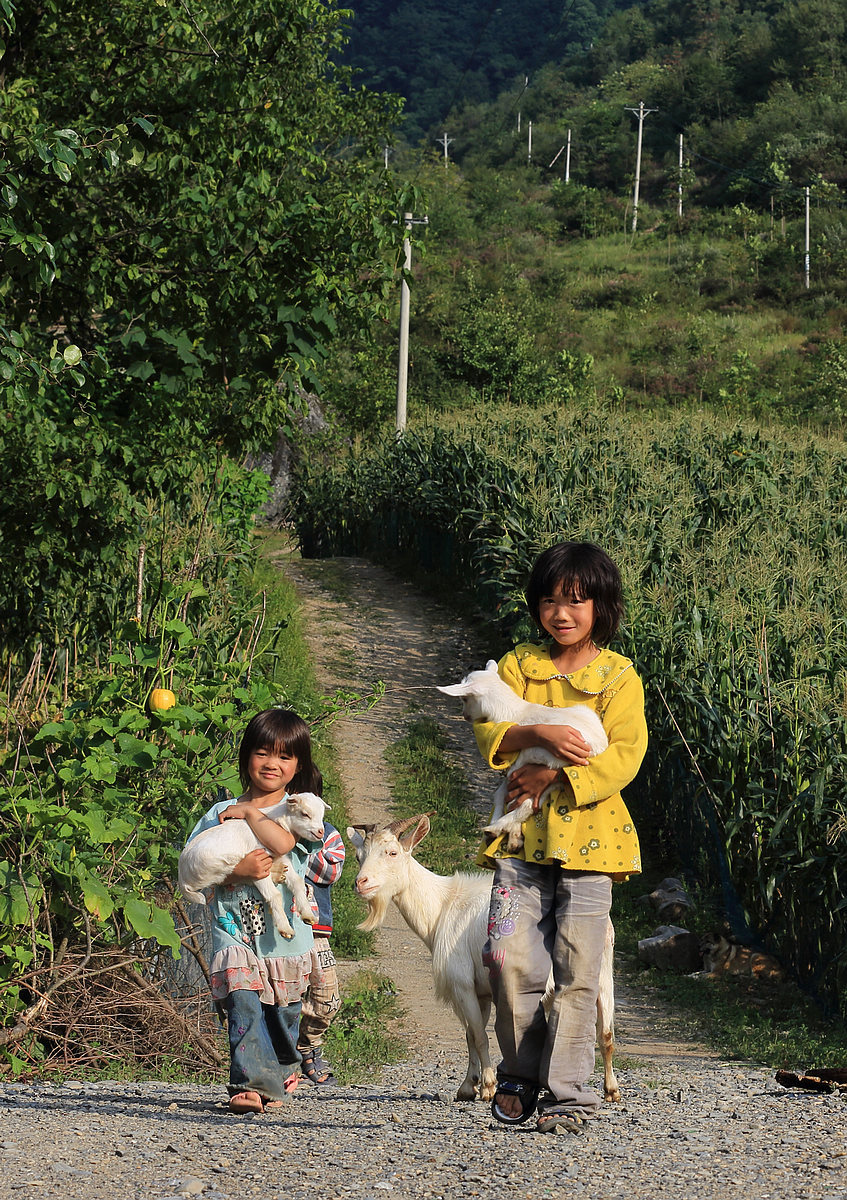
(491, 665)
(358, 833)
(453, 689)
(413, 836)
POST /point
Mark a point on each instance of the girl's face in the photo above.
(270, 770)
(567, 617)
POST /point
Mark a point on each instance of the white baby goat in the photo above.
(487, 697)
(449, 913)
(211, 855)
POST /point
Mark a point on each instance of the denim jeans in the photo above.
(262, 1044)
(544, 918)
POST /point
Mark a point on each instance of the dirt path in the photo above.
(364, 624)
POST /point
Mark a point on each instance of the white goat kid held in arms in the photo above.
(449, 913)
(487, 697)
(210, 857)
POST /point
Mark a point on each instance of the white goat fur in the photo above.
(211, 855)
(487, 697)
(449, 913)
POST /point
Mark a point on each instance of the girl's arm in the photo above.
(626, 728)
(272, 836)
(255, 865)
(563, 741)
(591, 779)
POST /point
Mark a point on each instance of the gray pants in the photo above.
(544, 918)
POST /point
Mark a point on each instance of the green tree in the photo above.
(191, 206)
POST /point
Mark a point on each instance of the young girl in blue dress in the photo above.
(258, 976)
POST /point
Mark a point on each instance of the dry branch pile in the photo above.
(110, 1012)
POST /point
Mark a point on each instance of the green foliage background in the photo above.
(191, 206)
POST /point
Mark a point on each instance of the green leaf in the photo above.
(14, 908)
(95, 894)
(149, 921)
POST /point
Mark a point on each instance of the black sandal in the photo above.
(315, 1068)
(550, 1121)
(527, 1093)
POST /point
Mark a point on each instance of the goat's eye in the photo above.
(392, 853)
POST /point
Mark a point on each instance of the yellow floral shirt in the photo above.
(584, 824)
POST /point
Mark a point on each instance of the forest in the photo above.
(201, 222)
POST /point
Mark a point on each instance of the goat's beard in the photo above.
(377, 908)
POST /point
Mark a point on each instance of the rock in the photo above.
(671, 948)
(669, 900)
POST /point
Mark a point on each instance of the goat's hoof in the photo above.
(466, 1092)
(614, 1096)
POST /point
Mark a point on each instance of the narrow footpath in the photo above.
(689, 1127)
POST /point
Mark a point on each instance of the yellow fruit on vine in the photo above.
(161, 699)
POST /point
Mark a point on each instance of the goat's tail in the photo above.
(191, 894)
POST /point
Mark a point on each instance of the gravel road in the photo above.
(689, 1130)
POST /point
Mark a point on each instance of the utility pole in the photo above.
(806, 259)
(568, 160)
(446, 141)
(679, 202)
(529, 147)
(641, 113)
(403, 356)
(387, 152)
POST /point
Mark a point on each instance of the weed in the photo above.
(362, 1037)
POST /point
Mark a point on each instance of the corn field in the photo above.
(731, 542)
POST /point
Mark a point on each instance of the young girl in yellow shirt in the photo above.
(550, 900)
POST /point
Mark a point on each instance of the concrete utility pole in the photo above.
(641, 112)
(446, 142)
(529, 147)
(403, 356)
(568, 160)
(806, 258)
(679, 202)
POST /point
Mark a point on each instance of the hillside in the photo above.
(439, 55)
(758, 91)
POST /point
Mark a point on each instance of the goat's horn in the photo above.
(398, 827)
(365, 829)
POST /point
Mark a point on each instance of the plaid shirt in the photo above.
(322, 870)
(324, 865)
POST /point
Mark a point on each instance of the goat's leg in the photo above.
(499, 810)
(268, 891)
(297, 887)
(606, 1017)
(480, 1074)
(510, 825)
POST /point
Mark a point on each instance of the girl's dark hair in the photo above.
(278, 730)
(585, 570)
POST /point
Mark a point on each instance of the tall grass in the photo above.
(731, 541)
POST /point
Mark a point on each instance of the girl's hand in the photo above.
(530, 781)
(255, 865)
(239, 812)
(564, 742)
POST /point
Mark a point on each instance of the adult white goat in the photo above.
(487, 697)
(210, 856)
(449, 913)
